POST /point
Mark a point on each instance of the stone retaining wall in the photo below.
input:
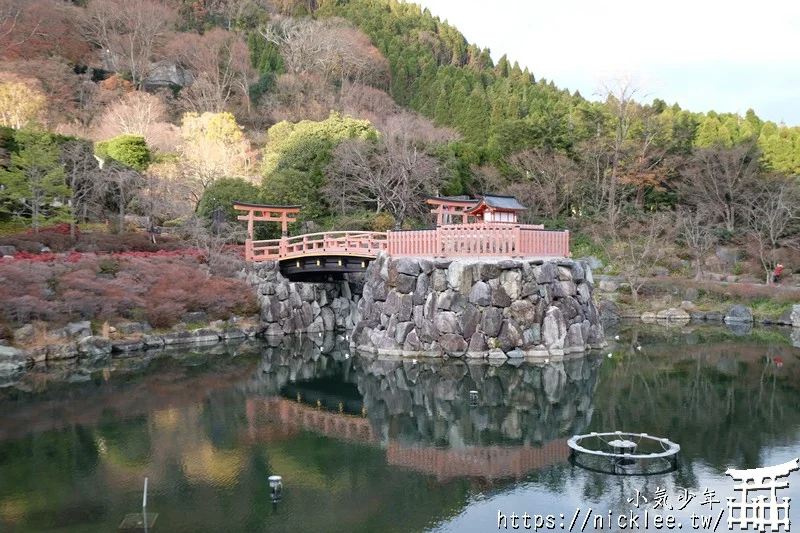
(494, 308)
(300, 307)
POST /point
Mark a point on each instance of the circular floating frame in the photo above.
(623, 456)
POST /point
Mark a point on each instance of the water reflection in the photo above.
(368, 444)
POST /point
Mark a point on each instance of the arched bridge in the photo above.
(338, 252)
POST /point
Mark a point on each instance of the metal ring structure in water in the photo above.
(624, 453)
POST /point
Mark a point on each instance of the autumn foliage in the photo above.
(157, 287)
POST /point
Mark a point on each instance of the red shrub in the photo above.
(162, 285)
(164, 314)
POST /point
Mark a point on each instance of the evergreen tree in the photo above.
(35, 178)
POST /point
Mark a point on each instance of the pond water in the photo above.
(377, 445)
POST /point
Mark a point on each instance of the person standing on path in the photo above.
(776, 275)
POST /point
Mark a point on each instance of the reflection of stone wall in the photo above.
(293, 358)
(429, 402)
(295, 307)
(497, 307)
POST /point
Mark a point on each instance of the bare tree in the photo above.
(220, 63)
(772, 214)
(332, 48)
(118, 186)
(135, 113)
(636, 246)
(620, 96)
(84, 178)
(132, 34)
(216, 244)
(13, 32)
(697, 227)
(546, 181)
(719, 180)
(392, 173)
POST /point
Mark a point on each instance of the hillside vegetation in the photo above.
(357, 109)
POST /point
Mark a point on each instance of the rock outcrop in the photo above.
(424, 307)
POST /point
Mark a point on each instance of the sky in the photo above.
(703, 54)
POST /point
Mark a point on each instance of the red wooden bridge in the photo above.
(488, 228)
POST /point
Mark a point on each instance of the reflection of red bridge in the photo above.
(487, 462)
(297, 415)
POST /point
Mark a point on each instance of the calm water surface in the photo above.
(375, 445)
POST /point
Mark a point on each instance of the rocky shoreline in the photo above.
(77, 343)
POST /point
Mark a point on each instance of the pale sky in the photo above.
(703, 54)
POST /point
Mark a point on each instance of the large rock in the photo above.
(485, 271)
(546, 273)
(24, 334)
(459, 276)
(511, 281)
(470, 320)
(423, 284)
(492, 321)
(453, 344)
(480, 294)
(12, 360)
(94, 348)
(6, 251)
(412, 343)
(575, 341)
(439, 280)
(524, 312)
(792, 317)
(405, 283)
(500, 297)
(79, 329)
(477, 345)
(510, 336)
(446, 322)
(554, 329)
(739, 314)
(674, 315)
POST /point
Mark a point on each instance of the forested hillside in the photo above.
(357, 109)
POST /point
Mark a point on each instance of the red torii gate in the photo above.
(450, 207)
(267, 213)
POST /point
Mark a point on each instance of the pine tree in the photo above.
(35, 178)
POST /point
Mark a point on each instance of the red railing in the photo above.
(361, 243)
(499, 240)
(470, 240)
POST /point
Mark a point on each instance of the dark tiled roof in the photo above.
(503, 202)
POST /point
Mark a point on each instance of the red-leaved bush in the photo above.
(155, 286)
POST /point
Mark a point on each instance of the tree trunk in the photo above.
(121, 213)
(35, 218)
(698, 269)
(72, 231)
(634, 293)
